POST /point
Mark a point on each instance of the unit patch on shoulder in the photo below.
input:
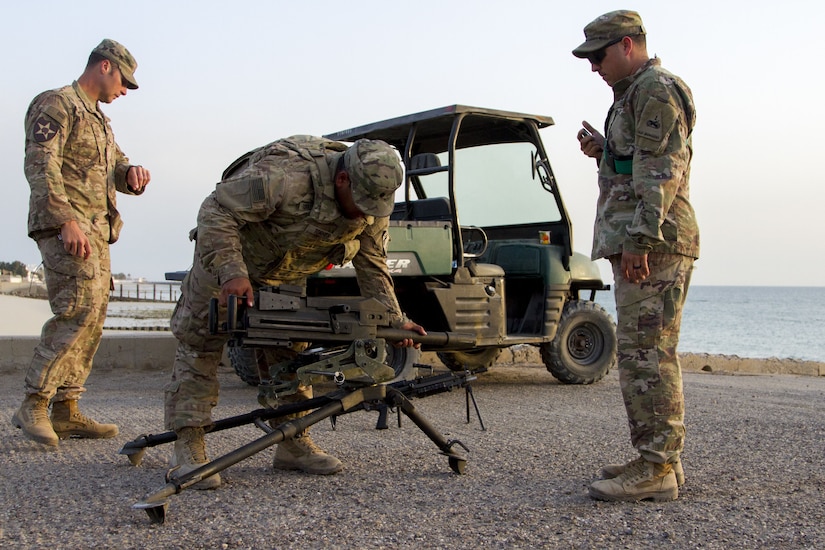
(655, 125)
(44, 129)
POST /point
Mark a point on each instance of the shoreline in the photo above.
(24, 317)
(690, 361)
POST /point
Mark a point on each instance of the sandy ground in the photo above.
(753, 464)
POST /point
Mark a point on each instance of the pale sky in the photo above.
(220, 78)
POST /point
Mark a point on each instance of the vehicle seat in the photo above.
(434, 209)
(424, 163)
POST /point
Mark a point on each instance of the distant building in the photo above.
(6, 277)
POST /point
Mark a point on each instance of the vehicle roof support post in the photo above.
(458, 241)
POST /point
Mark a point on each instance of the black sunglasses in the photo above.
(598, 56)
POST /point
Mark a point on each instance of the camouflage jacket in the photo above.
(643, 204)
(274, 219)
(73, 165)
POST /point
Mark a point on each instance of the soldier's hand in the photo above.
(590, 141)
(75, 241)
(237, 287)
(408, 342)
(137, 178)
(634, 267)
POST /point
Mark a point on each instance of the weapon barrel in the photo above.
(441, 339)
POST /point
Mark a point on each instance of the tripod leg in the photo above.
(135, 449)
(470, 396)
(457, 461)
(156, 504)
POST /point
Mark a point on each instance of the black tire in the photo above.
(245, 364)
(402, 361)
(470, 360)
(584, 349)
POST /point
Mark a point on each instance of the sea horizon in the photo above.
(785, 322)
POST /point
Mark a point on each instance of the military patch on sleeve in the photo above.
(655, 125)
(243, 193)
(44, 129)
(256, 186)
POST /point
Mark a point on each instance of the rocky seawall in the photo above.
(529, 355)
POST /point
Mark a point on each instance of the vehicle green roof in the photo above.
(436, 123)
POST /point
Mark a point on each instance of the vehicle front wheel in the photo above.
(584, 348)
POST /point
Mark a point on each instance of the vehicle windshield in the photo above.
(495, 185)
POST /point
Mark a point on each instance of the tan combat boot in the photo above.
(301, 453)
(614, 470)
(68, 422)
(190, 454)
(640, 480)
(33, 418)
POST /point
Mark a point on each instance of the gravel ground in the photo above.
(754, 467)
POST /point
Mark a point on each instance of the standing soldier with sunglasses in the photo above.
(646, 227)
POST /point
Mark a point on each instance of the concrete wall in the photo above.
(154, 351)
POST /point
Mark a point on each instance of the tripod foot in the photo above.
(156, 504)
(457, 464)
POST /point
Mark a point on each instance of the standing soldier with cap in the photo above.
(646, 227)
(74, 168)
(280, 214)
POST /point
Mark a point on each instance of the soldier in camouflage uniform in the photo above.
(646, 227)
(281, 213)
(74, 169)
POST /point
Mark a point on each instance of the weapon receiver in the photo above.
(283, 315)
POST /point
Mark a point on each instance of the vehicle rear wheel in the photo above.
(245, 363)
(470, 360)
(584, 348)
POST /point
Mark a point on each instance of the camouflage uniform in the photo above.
(644, 208)
(74, 168)
(273, 220)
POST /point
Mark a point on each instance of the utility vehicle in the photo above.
(481, 243)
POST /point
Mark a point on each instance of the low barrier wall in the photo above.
(145, 351)
(156, 351)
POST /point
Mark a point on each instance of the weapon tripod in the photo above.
(342, 401)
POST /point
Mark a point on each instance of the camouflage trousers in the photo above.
(649, 319)
(194, 389)
(78, 295)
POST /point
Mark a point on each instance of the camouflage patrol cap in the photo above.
(120, 56)
(375, 172)
(607, 28)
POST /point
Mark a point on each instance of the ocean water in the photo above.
(138, 315)
(755, 322)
